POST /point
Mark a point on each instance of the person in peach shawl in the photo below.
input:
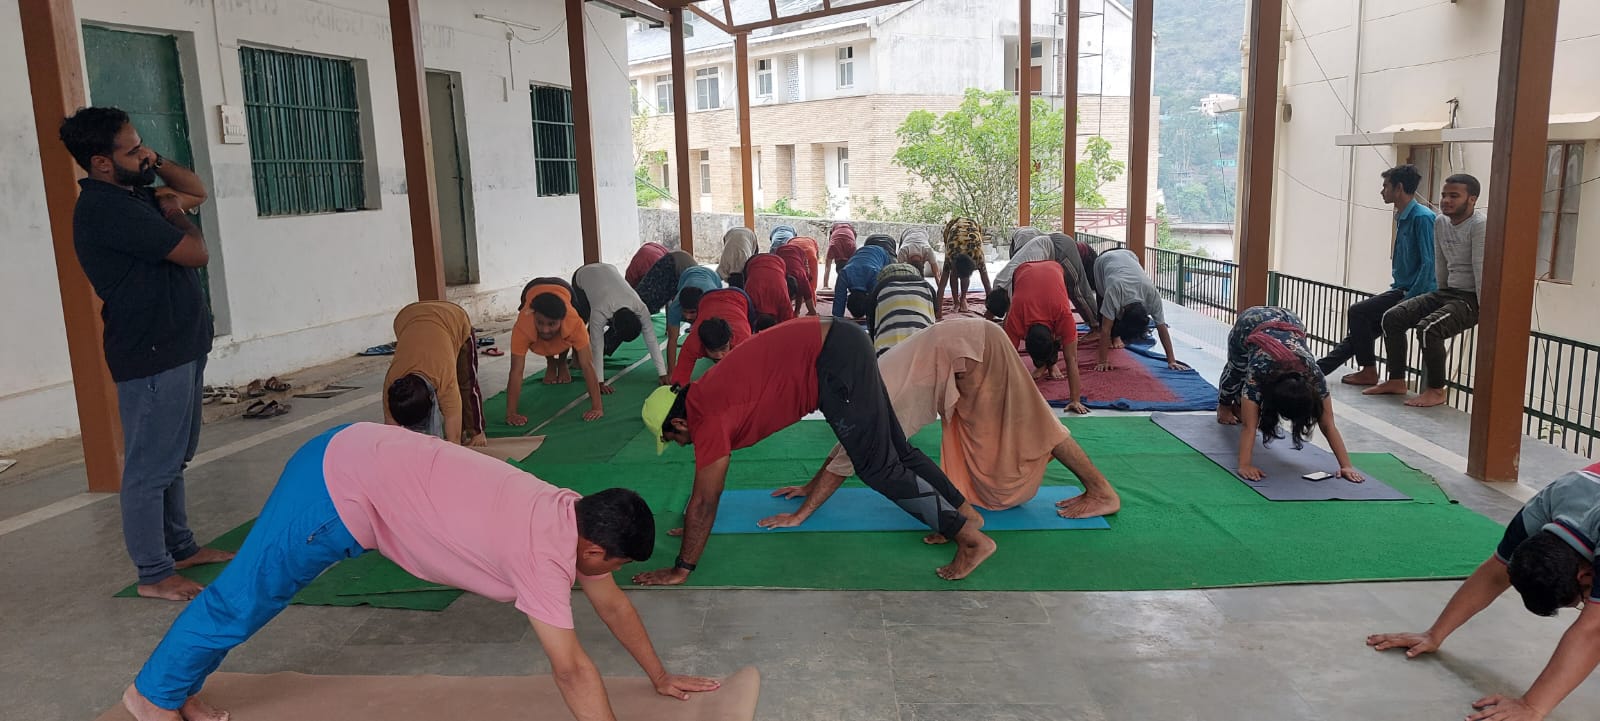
(966, 372)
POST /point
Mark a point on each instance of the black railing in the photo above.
(1204, 284)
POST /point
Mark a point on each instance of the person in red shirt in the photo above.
(721, 322)
(643, 258)
(807, 364)
(841, 247)
(800, 267)
(1040, 318)
(766, 281)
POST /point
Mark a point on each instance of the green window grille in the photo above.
(555, 149)
(305, 132)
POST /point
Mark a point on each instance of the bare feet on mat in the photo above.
(934, 539)
(973, 549)
(143, 710)
(1365, 377)
(196, 710)
(1428, 399)
(205, 556)
(1089, 505)
(172, 588)
(1387, 388)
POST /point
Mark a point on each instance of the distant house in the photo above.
(827, 95)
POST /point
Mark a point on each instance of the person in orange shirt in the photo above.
(432, 383)
(547, 324)
(1040, 319)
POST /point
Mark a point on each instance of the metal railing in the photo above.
(1207, 285)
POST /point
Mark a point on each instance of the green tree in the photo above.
(645, 191)
(968, 158)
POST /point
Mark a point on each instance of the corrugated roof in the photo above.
(656, 43)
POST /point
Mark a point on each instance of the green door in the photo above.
(139, 73)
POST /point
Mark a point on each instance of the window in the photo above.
(707, 95)
(1558, 216)
(304, 121)
(847, 66)
(764, 78)
(663, 93)
(633, 95)
(1037, 51)
(705, 172)
(666, 175)
(1429, 160)
(555, 150)
(844, 167)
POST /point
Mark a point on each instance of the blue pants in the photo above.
(160, 432)
(296, 538)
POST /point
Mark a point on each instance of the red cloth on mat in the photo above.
(1132, 379)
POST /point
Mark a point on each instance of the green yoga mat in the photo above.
(1185, 523)
(366, 580)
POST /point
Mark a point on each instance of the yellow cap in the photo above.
(655, 411)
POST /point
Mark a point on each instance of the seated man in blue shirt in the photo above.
(1413, 275)
(859, 276)
(1547, 554)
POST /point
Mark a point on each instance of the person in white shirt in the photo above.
(615, 315)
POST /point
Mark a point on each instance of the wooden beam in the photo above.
(727, 11)
(1516, 176)
(642, 9)
(1259, 161)
(1024, 111)
(582, 133)
(741, 70)
(1069, 106)
(680, 131)
(1139, 129)
(813, 15)
(50, 45)
(714, 20)
(417, 144)
(772, 7)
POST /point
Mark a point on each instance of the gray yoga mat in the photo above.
(1282, 464)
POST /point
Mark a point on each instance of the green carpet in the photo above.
(539, 401)
(366, 580)
(1185, 523)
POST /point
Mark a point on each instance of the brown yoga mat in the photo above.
(298, 697)
(515, 448)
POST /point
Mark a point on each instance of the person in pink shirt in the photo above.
(447, 514)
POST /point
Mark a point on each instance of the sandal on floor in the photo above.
(228, 396)
(385, 349)
(493, 352)
(255, 389)
(276, 386)
(485, 341)
(265, 409)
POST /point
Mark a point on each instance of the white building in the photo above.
(1369, 85)
(302, 272)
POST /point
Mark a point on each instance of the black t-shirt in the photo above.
(155, 312)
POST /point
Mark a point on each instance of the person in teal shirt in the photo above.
(1412, 259)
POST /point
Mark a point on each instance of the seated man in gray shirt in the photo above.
(1449, 311)
(1547, 554)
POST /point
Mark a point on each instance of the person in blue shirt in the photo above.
(692, 283)
(858, 277)
(1412, 260)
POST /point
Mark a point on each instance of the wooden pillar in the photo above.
(1024, 111)
(741, 70)
(1259, 158)
(1139, 128)
(582, 133)
(1069, 107)
(50, 44)
(1516, 178)
(417, 144)
(680, 128)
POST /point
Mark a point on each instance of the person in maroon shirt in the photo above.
(1040, 320)
(800, 266)
(643, 258)
(774, 380)
(722, 321)
(766, 282)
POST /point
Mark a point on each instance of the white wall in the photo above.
(822, 71)
(300, 291)
(1329, 223)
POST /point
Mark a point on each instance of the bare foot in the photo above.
(196, 710)
(934, 539)
(143, 710)
(172, 588)
(205, 556)
(1387, 388)
(1089, 505)
(1429, 398)
(1227, 415)
(1363, 377)
(974, 549)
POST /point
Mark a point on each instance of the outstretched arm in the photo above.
(1475, 594)
(698, 518)
(816, 493)
(619, 615)
(1103, 363)
(1249, 418)
(514, 390)
(1347, 468)
(575, 674)
(1166, 345)
(1575, 658)
(1069, 352)
(591, 380)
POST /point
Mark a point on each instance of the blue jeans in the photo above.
(297, 537)
(160, 431)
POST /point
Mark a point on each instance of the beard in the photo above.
(143, 177)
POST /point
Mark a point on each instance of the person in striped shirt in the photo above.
(902, 305)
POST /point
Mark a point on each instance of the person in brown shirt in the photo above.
(432, 383)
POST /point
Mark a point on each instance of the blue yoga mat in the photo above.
(863, 509)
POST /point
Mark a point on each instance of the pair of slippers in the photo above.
(258, 387)
(265, 409)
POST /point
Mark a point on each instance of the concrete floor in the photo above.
(1290, 652)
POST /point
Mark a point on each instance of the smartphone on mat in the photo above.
(1317, 476)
